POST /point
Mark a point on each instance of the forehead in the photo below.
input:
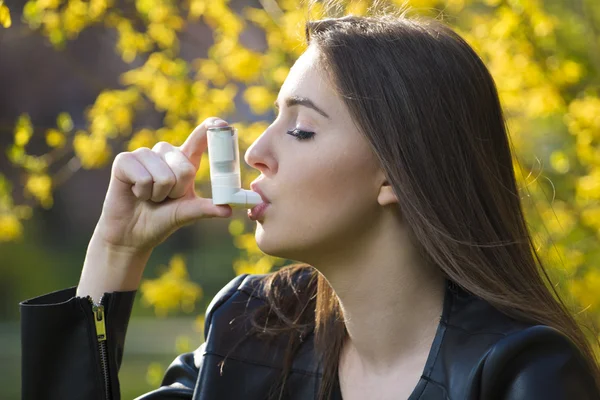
(307, 79)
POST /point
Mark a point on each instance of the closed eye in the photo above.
(300, 134)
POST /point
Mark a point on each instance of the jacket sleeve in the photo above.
(62, 359)
(537, 363)
(61, 356)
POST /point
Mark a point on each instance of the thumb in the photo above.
(190, 210)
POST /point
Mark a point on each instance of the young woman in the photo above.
(388, 174)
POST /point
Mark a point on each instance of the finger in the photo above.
(127, 169)
(196, 143)
(190, 210)
(162, 176)
(184, 171)
(180, 165)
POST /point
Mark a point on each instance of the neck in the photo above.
(391, 300)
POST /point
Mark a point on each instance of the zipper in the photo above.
(99, 320)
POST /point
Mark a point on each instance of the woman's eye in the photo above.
(300, 134)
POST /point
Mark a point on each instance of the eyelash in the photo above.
(300, 134)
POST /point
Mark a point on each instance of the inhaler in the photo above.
(224, 160)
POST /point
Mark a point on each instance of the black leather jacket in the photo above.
(477, 353)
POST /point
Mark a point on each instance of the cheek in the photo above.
(326, 189)
(318, 205)
(345, 201)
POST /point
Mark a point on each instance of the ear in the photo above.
(386, 195)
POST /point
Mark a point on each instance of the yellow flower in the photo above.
(23, 130)
(197, 8)
(10, 228)
(293, 38)
(35, 164)
(236, 227)
(247, 134)
(591, 216)
(568, 259)
(210, 70)
(588, 187)
(40, 186)
(586, 289)
(584, 115)
(122, 117)
(262, 266)
(568, 72)
(51, 4)
(75, 18)
(93, 151)
(220, 17)
(172, 290)
(259, 98)
(242, 64)
(222, 99)
(112, 112)
(259, 16)
(279, 74)
(558, 218)
(162, 35)
(55, 138)
(154, 374)
(5, 20)
(64, 122)
(357, 7)
(142, 138)
(51, 21)
(560, 162)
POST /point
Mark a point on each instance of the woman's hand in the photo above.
(151, 193)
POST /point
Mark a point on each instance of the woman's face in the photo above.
(323, 190)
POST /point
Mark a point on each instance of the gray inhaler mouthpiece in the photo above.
(224, 160)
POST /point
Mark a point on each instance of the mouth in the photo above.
(255, 188)
(257, 212)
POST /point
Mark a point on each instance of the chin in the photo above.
(268, 244)
(276, 245)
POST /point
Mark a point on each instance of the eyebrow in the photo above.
(302, 101)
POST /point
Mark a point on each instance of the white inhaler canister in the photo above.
(224, 161)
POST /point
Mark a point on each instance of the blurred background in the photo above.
(81, 81)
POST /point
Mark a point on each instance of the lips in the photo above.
(257, 212)
(255, 188)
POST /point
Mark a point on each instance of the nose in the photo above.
(259, 154)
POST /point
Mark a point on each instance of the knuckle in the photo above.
(119, 158)
(162, 146)
(187, 171)
(141, 150)
(166, 181)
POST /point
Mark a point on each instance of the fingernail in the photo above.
(218, 122)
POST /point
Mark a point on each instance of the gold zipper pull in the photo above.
(99, 319)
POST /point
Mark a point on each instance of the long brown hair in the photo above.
(430, 110)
